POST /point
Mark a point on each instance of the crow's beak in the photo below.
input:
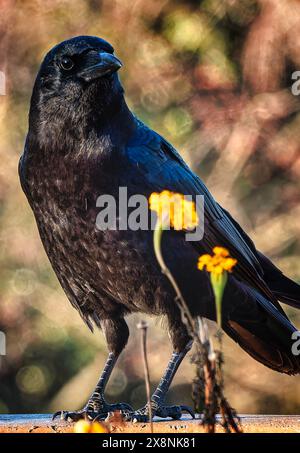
(104, 64)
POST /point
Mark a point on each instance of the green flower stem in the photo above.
(218, 282)
(157, 237)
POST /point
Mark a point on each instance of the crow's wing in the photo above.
(162, 167)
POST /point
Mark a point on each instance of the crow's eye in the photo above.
(66, 63)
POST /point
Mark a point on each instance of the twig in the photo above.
(213, 390)
(144, 326)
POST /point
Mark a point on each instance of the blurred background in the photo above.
(214, 77)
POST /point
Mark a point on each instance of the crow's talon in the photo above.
(73, 416)
(91, 415)
(175, 412)
(136, 417)
(64, 415)
(123, 407)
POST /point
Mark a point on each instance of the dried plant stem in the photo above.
(213, 392)
(210, 407)
(144, 326)
(230, 420)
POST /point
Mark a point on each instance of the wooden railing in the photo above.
(37, 423)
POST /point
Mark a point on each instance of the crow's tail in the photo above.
(281, 286)
(264, 332)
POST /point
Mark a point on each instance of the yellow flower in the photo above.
(220, 251)
(204, 260)
(84, 426)
(174, 210)
(217, 263)
(229, 263)
(98, 427)
(215, 269)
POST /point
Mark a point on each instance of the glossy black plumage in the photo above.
(83, 142)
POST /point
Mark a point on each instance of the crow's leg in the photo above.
(116, 333)
(182, 343)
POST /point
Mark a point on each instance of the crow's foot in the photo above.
(175, 412)
(89, 414)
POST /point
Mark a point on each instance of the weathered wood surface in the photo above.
(37, 423)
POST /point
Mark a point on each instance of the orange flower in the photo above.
(218, 263)
(220, 251)
(174, 210)
(84, 426)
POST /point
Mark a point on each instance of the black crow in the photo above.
(83, 142)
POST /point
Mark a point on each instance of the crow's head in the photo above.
(77, 79)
